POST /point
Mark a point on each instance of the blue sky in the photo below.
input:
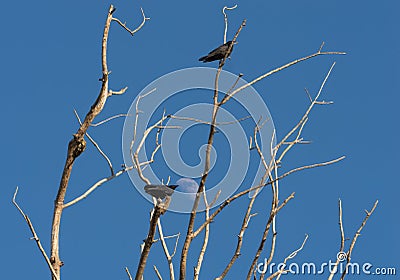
(50, 57)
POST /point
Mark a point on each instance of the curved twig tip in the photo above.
(15, 194)
(228, 8)
(144, 17)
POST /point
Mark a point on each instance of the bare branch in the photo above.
(132, 32)
(35, 236)
(226, 98)
(76, 147)
(236, 196)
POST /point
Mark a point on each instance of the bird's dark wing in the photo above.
(160, 191)
(217, 54)
(155, 190)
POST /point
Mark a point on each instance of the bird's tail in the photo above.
(204, 59)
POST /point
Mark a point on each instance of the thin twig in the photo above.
(137, 118)
(129, 274)
(305, 116)
(157, 272)
(96, 185)
(35, 236)
(308, 94)
(215, 199)
(109, 119)
(226, 19)
(274, 206)
(118, 92)
(227, 97)
(166, 251)
(274, 211)
(356, 235)
(176, 236)
(341, 227)
(274, 203)
(342, 239)
(96, 145)
(236, 254)
(234, 84)
(139, 147)
(205, 240)
(291, 144)
(209, 123)
(291, 256)
(248, 214)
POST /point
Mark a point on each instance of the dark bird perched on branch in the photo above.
(160, 191)
(219, 53)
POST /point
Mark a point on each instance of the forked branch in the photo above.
(242, 193)
(356, 235)
(132, 32)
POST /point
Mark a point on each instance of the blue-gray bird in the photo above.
(160, 191)
(219, 53)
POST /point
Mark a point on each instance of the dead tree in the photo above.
(270, 179)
